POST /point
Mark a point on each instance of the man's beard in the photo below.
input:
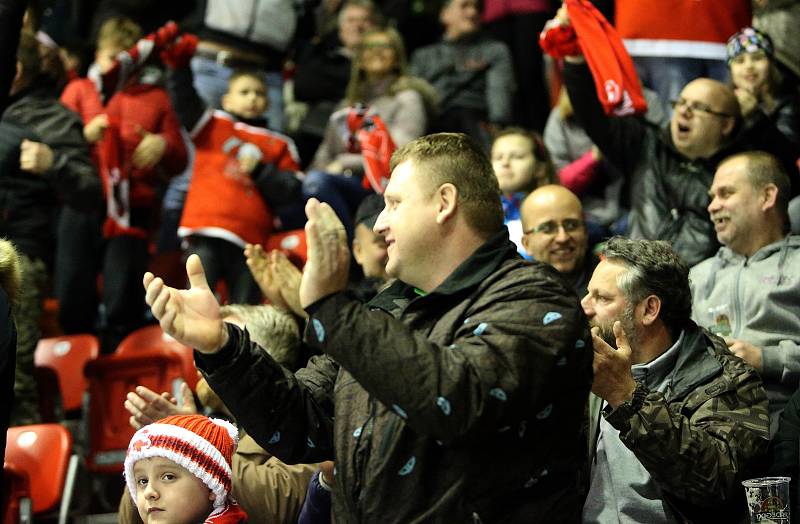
(628, 325)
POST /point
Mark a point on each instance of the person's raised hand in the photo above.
(147, 406)
(328, 265)
(288, 278)
(263, 271)
(190, 316)
(613, 380)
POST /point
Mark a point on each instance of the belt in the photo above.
(231, 58)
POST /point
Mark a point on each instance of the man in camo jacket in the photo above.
(675, 420)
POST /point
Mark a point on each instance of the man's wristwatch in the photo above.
(622, 413)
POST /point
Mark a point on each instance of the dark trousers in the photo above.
(223, 260)
(124, 265)
(79, 255)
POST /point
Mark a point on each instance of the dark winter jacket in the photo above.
(701, 437)
(462, 405)
(29, 201)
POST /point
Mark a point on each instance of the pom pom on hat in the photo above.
(201, 445)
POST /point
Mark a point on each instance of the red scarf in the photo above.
(117, 185)
(230, 513)
(614, 74)
(369, 135)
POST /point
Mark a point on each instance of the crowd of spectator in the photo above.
(552, 313)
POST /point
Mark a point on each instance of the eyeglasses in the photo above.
(695, 106)
(551, 227)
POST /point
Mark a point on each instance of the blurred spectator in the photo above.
(750, 291)
(759, 87)
(242, 172)
(11, 14)
(521, 164)
(241, 34)
(471, 72)
(672, 43)
(380, 82)
(140, 126)
(322, 72)
(45, 161)
(517, 24)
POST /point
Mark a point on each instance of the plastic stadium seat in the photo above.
(44, 453)
(292, 243)
(67, 355)
(152, 338)
(16, 496)
(110, 379)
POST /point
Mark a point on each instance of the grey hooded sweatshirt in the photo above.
(759, 299)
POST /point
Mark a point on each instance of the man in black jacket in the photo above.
(455, 395)
(44, 161)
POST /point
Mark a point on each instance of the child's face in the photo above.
(246, 97)
(167, 493)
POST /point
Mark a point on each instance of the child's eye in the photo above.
(168, 476)
(142, 482)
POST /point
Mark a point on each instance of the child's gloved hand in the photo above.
(178, 54)
(149, 151)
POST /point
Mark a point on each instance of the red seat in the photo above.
(153, 338)
(110, 379)
(16, 495)
(292, 243)
(67, 355)
(44, 453)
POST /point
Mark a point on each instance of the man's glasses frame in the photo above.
(551, 227)
(695, 106)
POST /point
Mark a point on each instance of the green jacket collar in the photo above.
(475, 269)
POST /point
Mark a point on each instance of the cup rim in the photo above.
(765, 481)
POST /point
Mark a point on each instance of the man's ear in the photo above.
(727, 128)
(224, 102)
(525, 243)
(447, 195)
(651, 309)
(769, 197)
(357, 251)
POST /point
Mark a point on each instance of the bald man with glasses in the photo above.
(668, 171)
(554, 232)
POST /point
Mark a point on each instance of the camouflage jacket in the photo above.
(702, 437)
(462, 405)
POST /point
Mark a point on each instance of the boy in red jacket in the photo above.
(138, 142)
(242, 172)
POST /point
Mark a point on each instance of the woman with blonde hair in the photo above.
(379, 82)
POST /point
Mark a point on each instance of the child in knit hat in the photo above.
(178, 471)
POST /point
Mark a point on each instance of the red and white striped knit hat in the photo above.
(202, 445)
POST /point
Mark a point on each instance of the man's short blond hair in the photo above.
(455, 159)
